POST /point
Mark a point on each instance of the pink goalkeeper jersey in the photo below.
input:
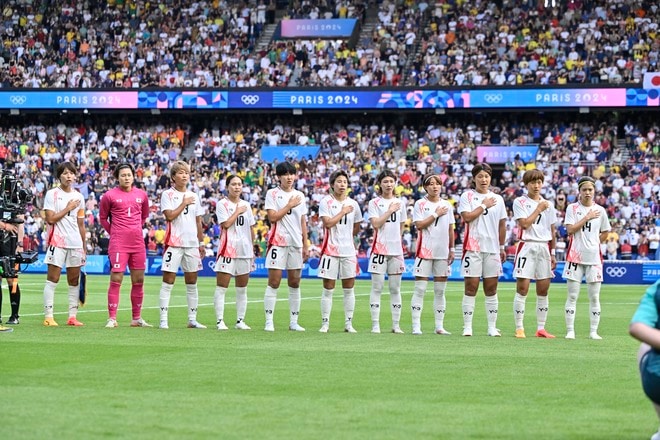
(122, 214)
(65, 233)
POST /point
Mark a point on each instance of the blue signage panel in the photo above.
(318, 28)
(284, 152)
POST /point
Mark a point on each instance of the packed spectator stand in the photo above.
(225, 44)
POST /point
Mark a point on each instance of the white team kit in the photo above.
(285, 236)
(433, 242)
(532, 260)
(583, 256)
(181, 240)
(235, 251)
(338, 254)
(65, 245)
(387, 251)
(481, 243)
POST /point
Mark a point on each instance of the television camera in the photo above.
(14, 199)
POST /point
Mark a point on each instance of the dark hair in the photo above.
(337, 174)
(123, 166)
(284, 168)
(586, 179)
(482, 167)
(231, 176)
(61, 168)
(383, 174)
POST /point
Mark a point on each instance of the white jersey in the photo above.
(483, 233)
(542, 229)
(288, 230)
(433, 241)
(182, 231)
(235, 241)
(387, 238)
(65, 233)
(338, 240)
(584, 246)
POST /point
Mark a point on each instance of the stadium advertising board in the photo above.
(339, 99)
(318, 28)
(502, 154)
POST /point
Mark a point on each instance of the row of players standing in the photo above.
(124, 210)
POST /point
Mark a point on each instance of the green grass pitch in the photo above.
(93, 382)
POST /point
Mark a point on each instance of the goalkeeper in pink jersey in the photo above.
(123, 211)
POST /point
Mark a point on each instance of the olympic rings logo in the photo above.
(290, 154)
(616, 272)
(18, 99)
(493, 98)
(250, 99)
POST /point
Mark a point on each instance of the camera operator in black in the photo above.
(11, 241)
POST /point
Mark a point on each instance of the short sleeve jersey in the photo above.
(387, 238)
(483, 233)
(182, 231)
(235, 241)
(122, 214)
(338, 240)
(584, 245)
(433, 241)
(543, 226)
(65, 233)
(288, 230)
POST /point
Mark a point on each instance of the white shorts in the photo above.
(284, 258)
(332, 268)
(593, 273)
(186, 258)
(386, 264)
(425, 268)
(481, 265)
(532, 261)
(233, 266)
(62, 257)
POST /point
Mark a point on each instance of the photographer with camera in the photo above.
(11, 241)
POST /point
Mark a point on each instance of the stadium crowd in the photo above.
(624, 158)
(137, 44)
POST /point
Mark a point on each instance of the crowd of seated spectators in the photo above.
(628, 185)
(139, 44)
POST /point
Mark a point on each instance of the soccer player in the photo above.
(535, 254)
(123, 211)
(587, 225)
(341, 217)
(386, 214)
(645, 327)
(235, 252)
(64, 209)
(434, 219)
(184, 245)
(287, 243)
(485, 215)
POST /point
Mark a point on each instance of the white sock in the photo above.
(164, 299)
(241, 303)
(417, 303)
(294, 304)
(594, 306)
(377, 283)
(349, 306)
(326, 305)
(439, 303)
(573, 288)
(270, 298)
(519, 310)
(395, 298)
(73, 301)
(192, 296)
(219, 302)
(468, 310)
(49, 298)
(541, 311)
(492, 305)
